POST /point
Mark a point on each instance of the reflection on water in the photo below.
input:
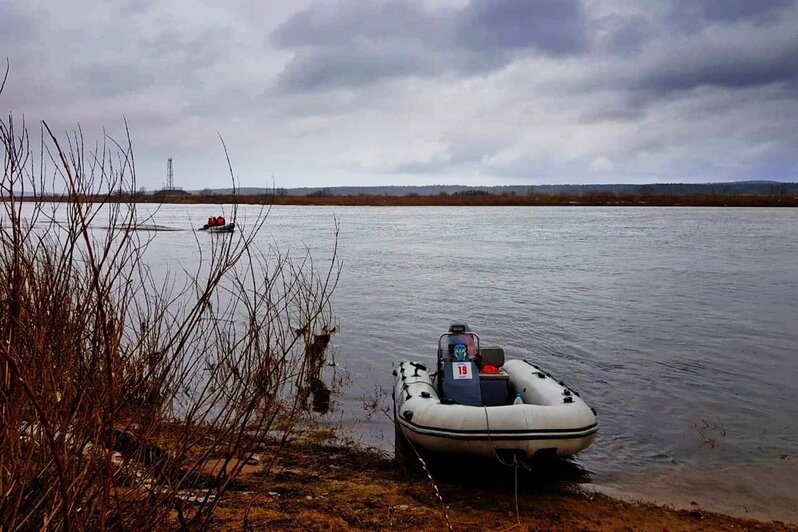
(315, 356)
(669, 321)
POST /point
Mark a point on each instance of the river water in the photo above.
(679, 325)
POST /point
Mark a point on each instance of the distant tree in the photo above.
(321, 193)
(647, 190)
(443, 193)
(778, 189)
(281, 192)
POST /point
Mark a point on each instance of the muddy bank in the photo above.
(322, 485)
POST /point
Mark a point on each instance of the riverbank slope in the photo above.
(324, 486)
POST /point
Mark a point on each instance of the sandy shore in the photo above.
(320, 485)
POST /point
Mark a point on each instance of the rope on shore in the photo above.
(426, 471)
(434, 485)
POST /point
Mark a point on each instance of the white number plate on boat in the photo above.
(462, 370)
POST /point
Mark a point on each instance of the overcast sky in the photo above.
(359, 92)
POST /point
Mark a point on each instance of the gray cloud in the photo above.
(627, 35)
(657, 68)
(354, 65)
(16, 25)
(555, 27)
(691, 14)
(191, 51)
(351, 21)
(106, 80)
(352, 43)
(735, 65)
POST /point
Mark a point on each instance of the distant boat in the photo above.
(217, 224)
(226, 228)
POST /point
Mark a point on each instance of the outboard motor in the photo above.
(457, 367)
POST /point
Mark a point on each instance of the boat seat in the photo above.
(493, 356)
(463, 388)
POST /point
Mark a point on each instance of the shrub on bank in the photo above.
(127, 399)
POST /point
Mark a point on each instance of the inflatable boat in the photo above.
(226, 228)
(476, 403)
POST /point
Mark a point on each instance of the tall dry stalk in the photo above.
(128, 402)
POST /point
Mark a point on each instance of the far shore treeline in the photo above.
(735, 194)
